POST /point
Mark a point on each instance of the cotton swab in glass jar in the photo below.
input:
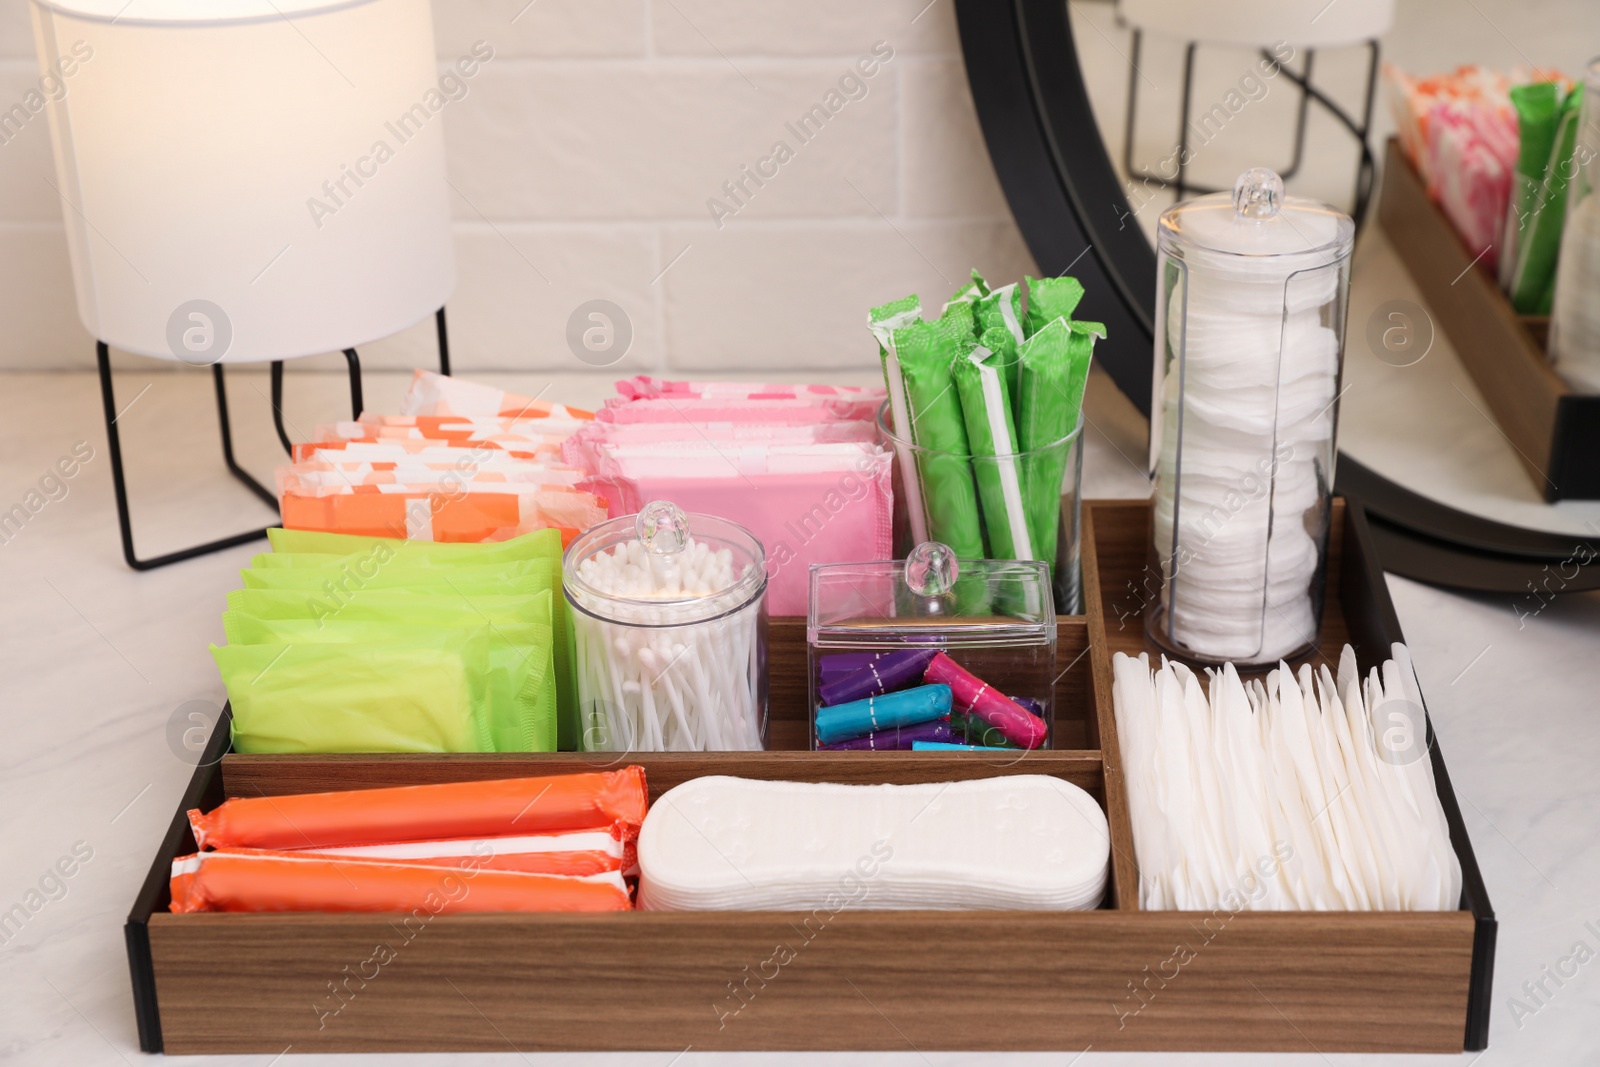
(668, 640)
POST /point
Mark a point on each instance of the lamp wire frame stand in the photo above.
(114, 441)
(1180, 185)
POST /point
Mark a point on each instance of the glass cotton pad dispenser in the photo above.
(931, 653)
(1249, 350)
(669, 629)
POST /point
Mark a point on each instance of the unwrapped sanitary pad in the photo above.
(1030, 842)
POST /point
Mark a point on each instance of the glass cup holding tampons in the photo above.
(931, 653)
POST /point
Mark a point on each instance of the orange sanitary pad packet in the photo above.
(267, 882)
(508, 806)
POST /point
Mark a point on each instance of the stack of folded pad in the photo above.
(797, 465)
(998, 376)
(1288, 795)
(730, 844)
(340, 643)
(461, 462)
(918, 699)
(522, 844)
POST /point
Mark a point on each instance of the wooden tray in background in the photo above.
(868, 980)
(1556, 432)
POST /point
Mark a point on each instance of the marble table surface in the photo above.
(97, 662)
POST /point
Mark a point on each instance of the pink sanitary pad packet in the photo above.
(817, 503)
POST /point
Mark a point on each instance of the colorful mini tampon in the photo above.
(883, 675)
(974, 731)
(945, 746)
(922, 704)
(840, 664)
(1030, 705)
(971, 694)
(897, 737)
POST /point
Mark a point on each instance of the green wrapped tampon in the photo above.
(1054, 373)
(1533, 281)
(1538, 107)
(970, 293)
(883, 321)
(1050, 299)
(925, 351)
(992, 439)
(998, 340)
(1003, 308)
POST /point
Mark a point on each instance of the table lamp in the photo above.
(246, 181)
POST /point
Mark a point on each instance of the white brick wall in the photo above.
(583, 158)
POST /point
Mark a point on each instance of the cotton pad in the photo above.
(1014, 842)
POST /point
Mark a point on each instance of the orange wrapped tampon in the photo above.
(263, 882)
(581, 852)
(507, 806)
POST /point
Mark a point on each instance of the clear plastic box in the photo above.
(983, 629)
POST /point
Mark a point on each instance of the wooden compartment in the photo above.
(1114, 978)
(1555, 431)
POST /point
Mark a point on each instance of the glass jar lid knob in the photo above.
(1258, 194)
(931, 569)
(662, 528)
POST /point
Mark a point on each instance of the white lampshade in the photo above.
(280, 160)
(1301, 23)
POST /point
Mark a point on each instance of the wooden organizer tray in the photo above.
(863, 980)
(1556, 431)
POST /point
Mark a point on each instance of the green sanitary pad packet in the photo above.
(520, 700)
(467, 571)
(314, 698)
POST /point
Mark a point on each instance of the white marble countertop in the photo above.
(97, 660)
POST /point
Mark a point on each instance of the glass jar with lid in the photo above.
(1249, 350)
(668, 633)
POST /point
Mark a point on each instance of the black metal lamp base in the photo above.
(119, 481)
(1178, 182)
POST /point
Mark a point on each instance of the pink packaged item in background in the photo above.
(1472, 153)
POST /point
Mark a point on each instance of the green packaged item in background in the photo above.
(316, 698)
(992, 440)
(1054, 374)
(925, 352)
(520, 695)
(1050, 299)
(1538, 107)
(1533, 280)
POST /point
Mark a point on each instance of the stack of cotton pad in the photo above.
(1303, 793)
(1253, 301)
(731, 844)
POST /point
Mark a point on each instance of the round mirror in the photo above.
(1100, 115)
